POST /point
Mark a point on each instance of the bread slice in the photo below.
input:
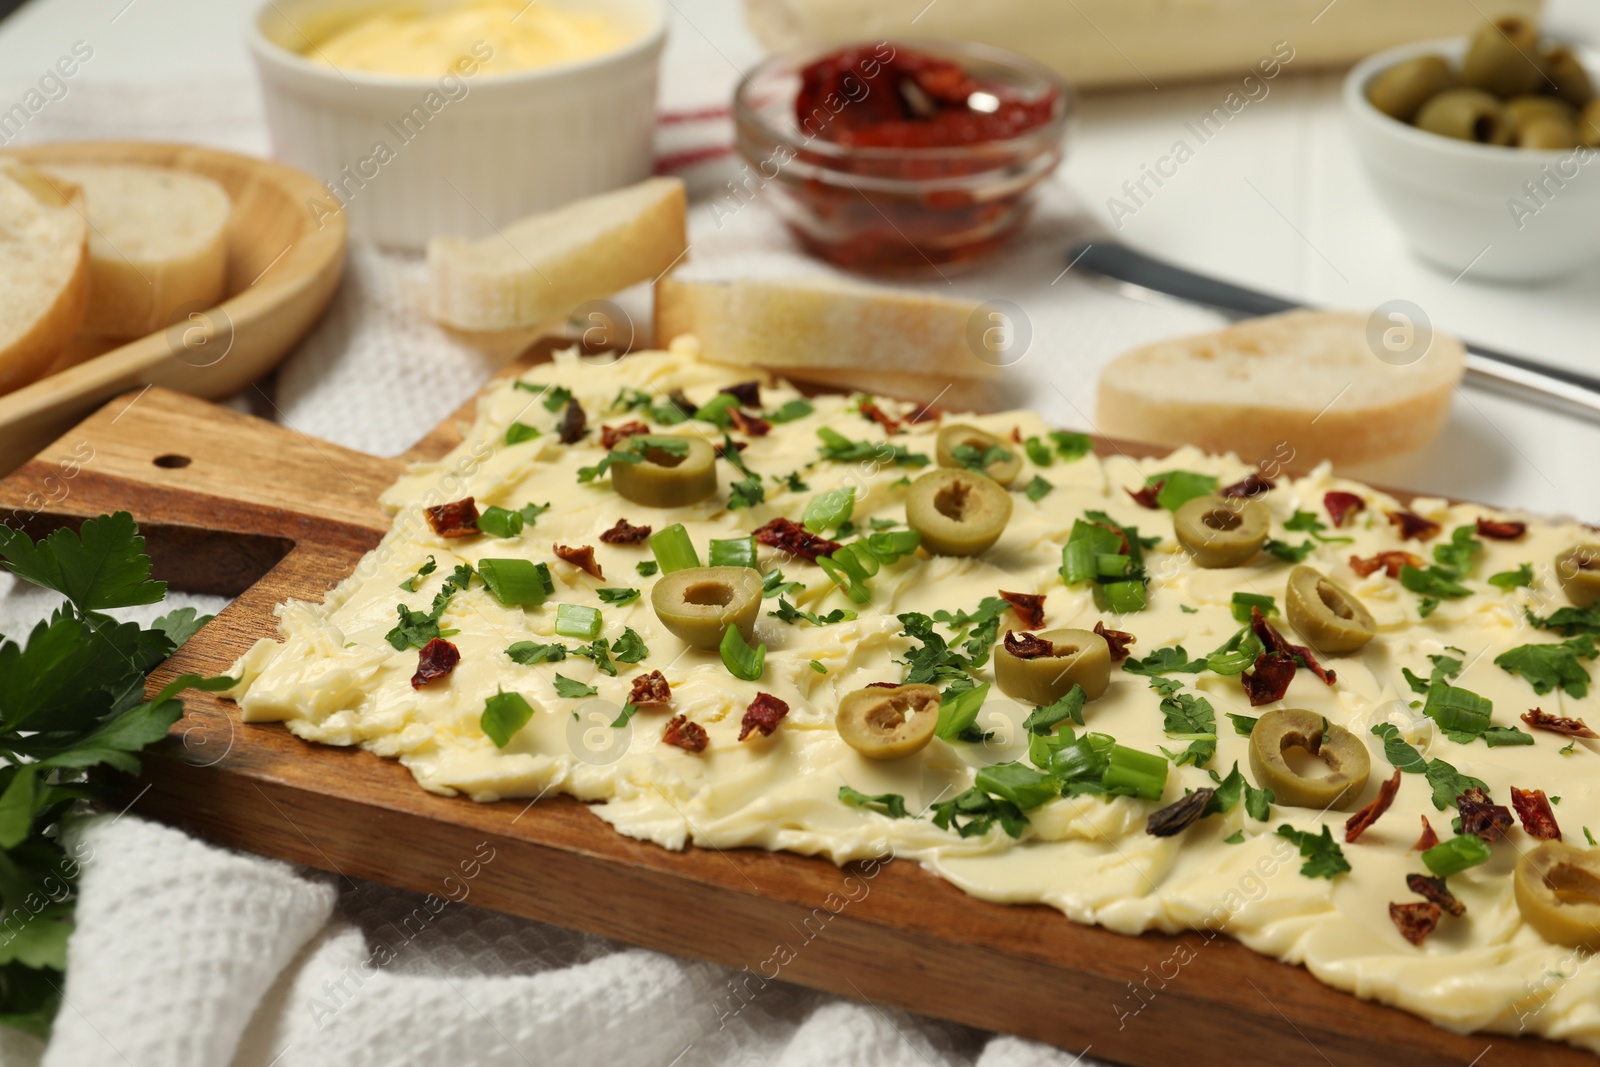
(158, 243)
(44, 271)
(826, 331)
(1304, 383)
(545, 266)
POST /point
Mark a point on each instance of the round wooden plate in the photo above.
(284, 264)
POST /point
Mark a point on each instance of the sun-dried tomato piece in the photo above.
(1270, 679)
(1428, 838)
(1415, 921)
(1028, 606)
(1533, 808)
(1389, 562)
(1435, 890)
(1341, 504)
(1028, 646)
(625, 533)
(1540, 719)
(459, 518)
(1117, 641)
(928, 413)
(722, 449)
(1250, 486)
(754, 425)
(1500, 529)
(795, 539)
(883, 685)
(1147, 497)
(1362, 821)
(435, 659)
(612, 436)
(651, 688)
(1413, 526)
(1016, 435)
(748, 394)
(581, 557)
(689, 736)
(1481, 816)
(764, 713)
(1180, 814)
(1276, 642)
(574, 422)
(871, 410)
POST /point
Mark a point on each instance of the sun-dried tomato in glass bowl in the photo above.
(903, 157)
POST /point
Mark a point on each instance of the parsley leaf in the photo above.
(596, 651)
(1070, 706)
(1180, 487)
(891, 804)
(1164, 661)
(410, 584)
(1190, 718)
(840, 449)
(1071, 446)
(1038, 489)
(617, 596)
(974, 812)
(531, 652)
(572, 690)
(1287, 552)
(1509, 580)
(630, 647)
(1549, 666)
(415, 629)
(102, 565)
(1324, 858)
(791, 410)
(1570, 621)
(646, 567)
(789, 614)
(1243, 725)
(979, 459)
(1434, 584)
(503, 715)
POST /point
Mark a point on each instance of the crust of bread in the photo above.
(1299, 387)
(159, 244)
(545, 266)
(823, 330)
(32, 335)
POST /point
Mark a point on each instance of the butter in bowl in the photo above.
(455, 117)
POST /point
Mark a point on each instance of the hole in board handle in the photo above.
(171, 461)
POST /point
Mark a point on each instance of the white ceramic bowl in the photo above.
(1508, 213)
(413, 158)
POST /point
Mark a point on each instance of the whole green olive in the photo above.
(1589, 124)
(1527, 108)
(664, 480)
(1467, 115)
(1344, 753)
(1578, 571)
(1221, 532)
(1326, 615)
(698, 604)
(1503, 58)
(957, 512)
(1400, 91)
(1547, 134)
(1003, 469)
(1077, 657)
(1568, 75)
(1558, 892)
(883, 723)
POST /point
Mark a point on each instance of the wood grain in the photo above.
(270, 514)
(283, 267)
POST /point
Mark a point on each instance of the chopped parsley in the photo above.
(1289, 553)
(410, 584)
(1243, 602)
(1243, 725)
(617, 596)
(646, 567)
(791, 410)
(1509, 580)
(1164, 661)
(1236, 787)
(1190, 718)
(1307, 522)
(1038, 489)
(1044, 719)
(633, 450)
(626, 715)
(1323, 856)
(1570, 621)
(974, 813)
(891, 804)
(1180, 487)
(530, 652)
(630, 647)
(791, 614)
(596, 651)
(571, 690)
(503, 715)
(840, 449)
(1071, 446)
(979, 459)
(1547, 667)
(519, 432)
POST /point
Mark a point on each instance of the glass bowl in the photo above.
(899, 210)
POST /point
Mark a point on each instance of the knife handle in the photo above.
(1117, 261)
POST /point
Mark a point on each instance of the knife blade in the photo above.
(1128, 269)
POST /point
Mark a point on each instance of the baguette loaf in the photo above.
(158, 244)
(1305, 383)
(545, 266)
(825, 331)
(44, 272)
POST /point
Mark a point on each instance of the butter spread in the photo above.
(408, 39)
(334, 679)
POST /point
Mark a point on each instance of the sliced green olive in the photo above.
(1558, 893)
(1547, 133)
(1467, 115)
(1589, 125)
(1327, 615)
(1503, 58)
(699, 603)
(1578, 570)
(1077, 657)
(662, 480)
(1346, 756)
(883, 723)
(1400, 91)
(1569, 76)
(1221, 532)
(951, 438)
(957, 512)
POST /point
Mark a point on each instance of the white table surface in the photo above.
(1276, 201)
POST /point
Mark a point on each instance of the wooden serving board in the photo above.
(232, 504)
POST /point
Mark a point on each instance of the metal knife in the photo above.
(1135, 273)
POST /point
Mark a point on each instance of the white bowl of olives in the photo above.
(1485, 150)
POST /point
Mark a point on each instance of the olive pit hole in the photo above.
(1221, 519)
(951, 501)
(890, 713)
(709, 594)
(1573, 885)
(1333, 601)
(1484, 128)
